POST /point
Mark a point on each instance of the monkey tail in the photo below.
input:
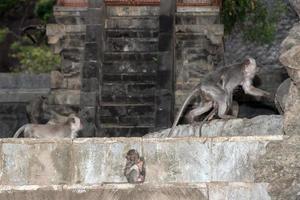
(186, 102)
(19, 131)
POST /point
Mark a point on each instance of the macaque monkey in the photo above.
(134, 171)
(216, 90)
(69, 129)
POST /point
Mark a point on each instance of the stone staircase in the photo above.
(199, 46)
(128, 85)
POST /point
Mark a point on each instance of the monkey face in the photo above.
(76, 124)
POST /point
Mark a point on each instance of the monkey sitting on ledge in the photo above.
(134, 171)
(69, 129)
(216, 91)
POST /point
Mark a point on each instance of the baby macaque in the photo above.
(134, 171)
(69, 129)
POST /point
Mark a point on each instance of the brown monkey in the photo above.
(216, 90)
(134, 171)
(68, 129)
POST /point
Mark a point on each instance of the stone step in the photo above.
(148, 23)
(120, 131)
(198, 40)
(132, 11)
(215, 29)
(130, 56)
(127, 121)
(197, 18)
(70, 16)
(198, 9)
(131, 45)
(136, 99)
(192, 191)
(131, 33)
(142, 78)
(129, 110)
(128, 90)
(126, 67)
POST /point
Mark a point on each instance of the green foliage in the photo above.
(254, 17)
(3, 33)
(6, 5)
(44, 9)
(34, 59)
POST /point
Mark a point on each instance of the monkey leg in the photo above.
(203, 108)
(235, 109)
(222, 110)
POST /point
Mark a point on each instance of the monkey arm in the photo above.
(250, 89)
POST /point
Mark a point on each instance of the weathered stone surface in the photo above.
(291, 60)
(108, 192)
(292, 109)
(24, 81)
(138, 23)
(130, 11)
(98, 161)
(296, 6)
(241, 191)
(261, 125)
(282, 95)
(132, 44)
(279, 166)
(65, 97)
(21, 95)
(172, 160)
(90, 161)
(233, 160)
(31, 162)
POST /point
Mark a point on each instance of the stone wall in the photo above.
(199, 47)
(16, 91)
(224, 167)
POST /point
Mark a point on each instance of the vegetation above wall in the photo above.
(256, 18)
(28, 45)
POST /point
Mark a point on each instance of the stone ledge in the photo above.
(96, 161)
(199, 191)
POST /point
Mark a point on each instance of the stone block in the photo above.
(130, 11)
(95, 3)
(24, 81)
(33, 193)
(197, 18)
(238, 191)
(130, 56)
(90, 85)
(173, 160)
(30, 162)
(98, 161)
(237, 168)
(128, 33)
(131, 44)
(90, 69)
(132, 23)
(64, 97)
(91, 50)
(96, 15)
(93, 32)
(126, 67)
(88, 98)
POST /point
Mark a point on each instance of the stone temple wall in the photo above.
(230, 168)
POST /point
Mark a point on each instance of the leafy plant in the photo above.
(43, 9)
(3, 33)
(34, 59)
(255, 18)
(6, 5)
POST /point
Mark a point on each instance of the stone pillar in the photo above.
(165, 71)
(91, 71)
